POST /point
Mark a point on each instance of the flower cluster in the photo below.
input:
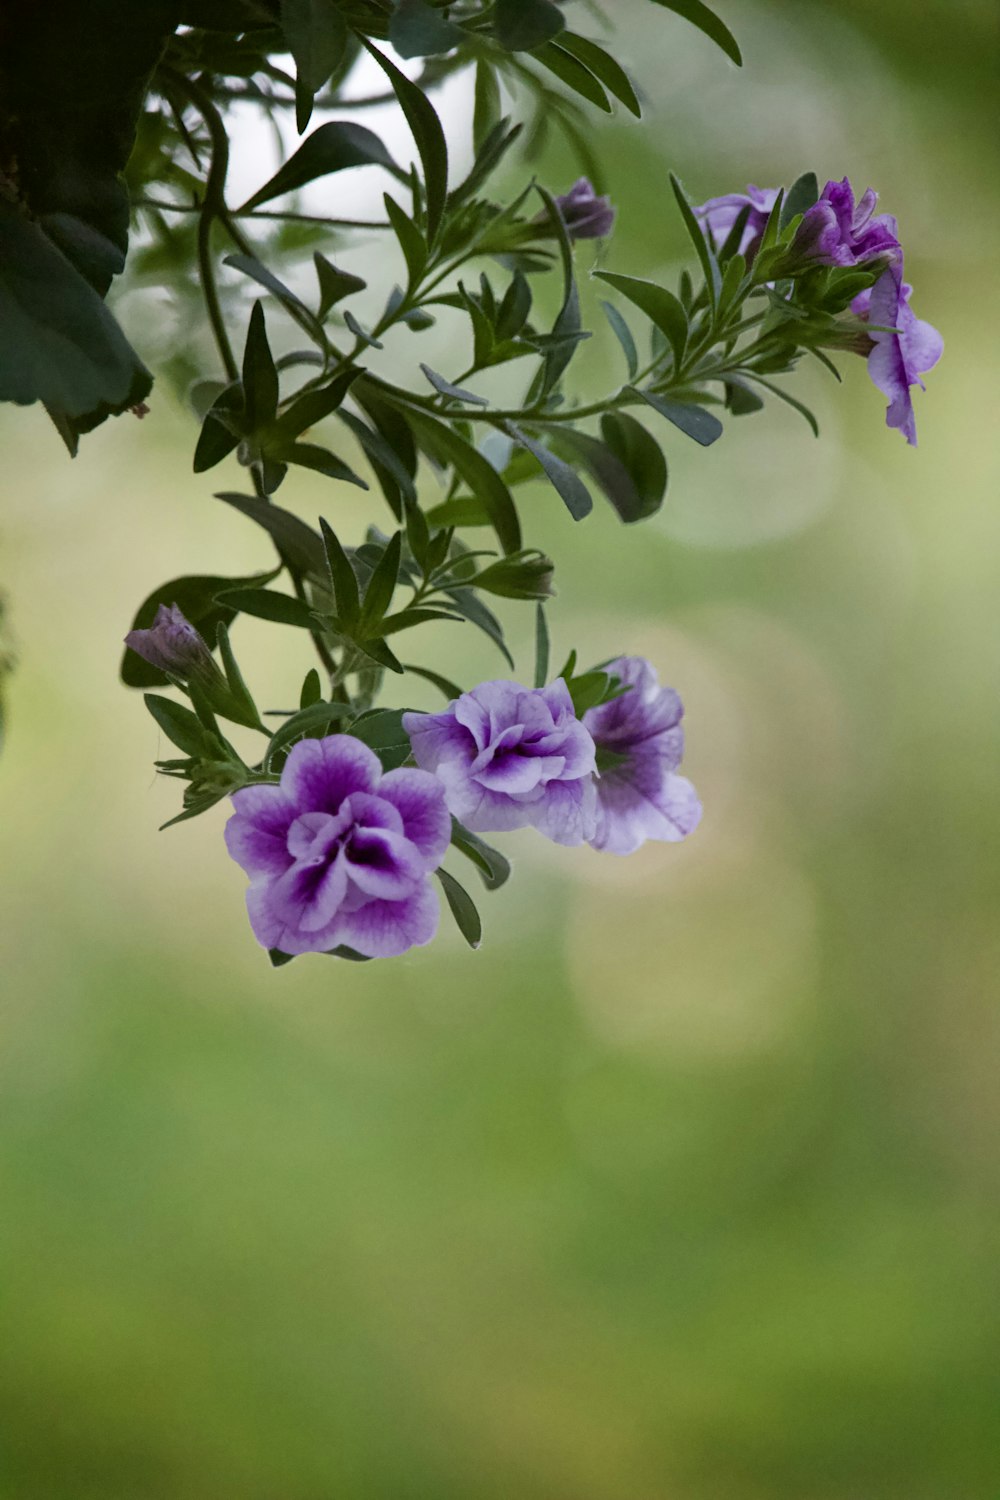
(836, 230)
(339, 853)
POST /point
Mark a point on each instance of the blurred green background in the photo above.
(683, 1188)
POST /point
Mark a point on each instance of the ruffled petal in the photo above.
(418, 797)
(256, 835)
(382, 863)
(319, 774)
(384, 929)
(568, 812)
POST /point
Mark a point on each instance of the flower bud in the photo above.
(586, 214)
(173, 645)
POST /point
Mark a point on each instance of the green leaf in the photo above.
(742, 399)
(454, 392)
(541, 646)
(493, 867)
(266, 604)
(704, 251)
(432, 147)
(311, 456)
(782, 395)
(486, 105)
(567, 323)
(801, 196)
(294, 539)
(242, 710)
(183, 728)
(312, 689)
(623, 334)
(381, 587)
(333, 147)
(707, 21)
(463, 908)
(334, 284)
(524, 575)
(660, 306)
(279, 959)
(259, 273)
(260, 378)
(512, 314)
(378, 652)
(221, 429)
(642, 456)
(311, 722)
(695, 421)
(342, 578)
(417, 30)
(476, 612)
(568, 485)
(521, 25)
(405, 619)
(389, 469)
(444, 685)
(604, 67)
(60, 344)
(382, 731)
(312, 406)
(317, 38)
(411, 241)
(195, 597)
(606, 464)
(573, 73)
(483, 480)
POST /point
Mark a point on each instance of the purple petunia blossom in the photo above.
(340, 852)
(511, 757)
(897, 360)
(718, 215)
(173, 645)
(640, 797)
(586, 214)
(836, 231)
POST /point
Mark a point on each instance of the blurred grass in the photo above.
(684, 1187)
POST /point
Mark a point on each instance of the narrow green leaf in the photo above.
(405, 619)
(454, 392)
(623, 334)
(279, 959)
(660, 306)
(475, 611)
(493, 867)
(317, 38)
(604, 67)
(221, 429)
(381, 587)
(311, 456)
(695, 421)
(294, 539)
(311, 722)
(573, 73)
(482, 479)
(568, 485)
(703, 249)
(513, 311)
(266, 604)
(381, 729)
(782, 395)
(247, 712)
(463, 908)
(444, 685)
(260, 378)
(541, 646)
(707, 21)
(486, 105)
(312, 406)
(567, 323)
(432, 147)
(411, 240)
(312, 689)
(183, 728)
(342, 577)
(333, 147)
(251, 267)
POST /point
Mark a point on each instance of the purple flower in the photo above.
(511, 757)
(897, 360)
(718, 216)
(340, 853)
(173, 645)
(587, 216)
(640, 739)
(836, 231)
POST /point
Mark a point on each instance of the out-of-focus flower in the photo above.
(718, 215)
(173, 645)
(896, 360)
(586, 214)
(640, 743)
(339, 853)
(511, 757)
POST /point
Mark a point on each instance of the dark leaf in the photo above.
(494, 869)
(623, 334)
(382, 731)
(411, 241)
(296, 541)
(541, 646)
(312, 406)
(334, 284)
(567, 323)
(444, 685)
(520, 25)
(456, 393)
(417, 30)
(573, 73)
(183, 728)
(422, 119)
(641, 456)
(195, 597)
(380, 589)
(707, 21)
(801, 196)
(704, 251)
(660, 306)
(698, 423)
(259, 273)
(342, 577)
(310, 456)
(260, 378)
(463, 908)
(604, 67)
(331, 148)
(475, 611)
(311, 722)
(221, 430)
(569, 486)
(266, 604)
(483, 480)
(317, 38)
